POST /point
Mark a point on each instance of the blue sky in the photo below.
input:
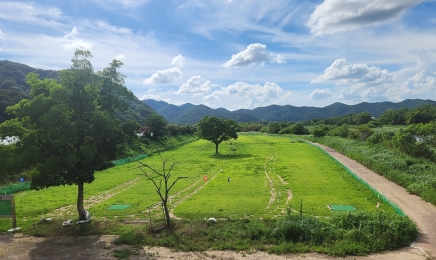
(237, 53)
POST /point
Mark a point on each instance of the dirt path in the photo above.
(421, 212)
(21, 247)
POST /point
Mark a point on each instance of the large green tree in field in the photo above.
(217, 130)
(68, 130)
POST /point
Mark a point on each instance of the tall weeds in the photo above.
(357, 233)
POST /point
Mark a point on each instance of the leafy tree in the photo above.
(363, 118)
(417, 140)
(299, 129)
(274, 127)
(157, 124)
(67, 131)
(130, 128)
(320, 130)
(217, 130)
(342, 131)
(394, 117)
(365, 131)
(423, 114)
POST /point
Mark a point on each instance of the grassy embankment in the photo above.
(418, 176)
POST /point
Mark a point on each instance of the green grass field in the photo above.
(254, 177)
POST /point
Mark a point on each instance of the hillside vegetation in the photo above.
(13, 88)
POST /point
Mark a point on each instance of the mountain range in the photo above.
(191, 114)
(13, 88)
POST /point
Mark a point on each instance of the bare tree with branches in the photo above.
(164, 175)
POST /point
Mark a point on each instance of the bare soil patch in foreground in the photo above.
(21, 247)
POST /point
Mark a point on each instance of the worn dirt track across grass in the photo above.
(420, 211)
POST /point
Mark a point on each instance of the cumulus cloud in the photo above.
(195, 85)
(342, 73)
(320, 94)
(422, 81)
(71, 41)
(420, 85)
(349, 94)
(164, 76)
(253, 54)
(249, 96)
(333, 16)
(178, 61)
(360, 80)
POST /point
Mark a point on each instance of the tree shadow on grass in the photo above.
(230, 156)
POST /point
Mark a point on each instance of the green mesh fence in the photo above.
(378, 194)
(130, 159)
(15, 188)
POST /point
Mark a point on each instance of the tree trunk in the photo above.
(167, 214)
(216, 148)
(80, 209)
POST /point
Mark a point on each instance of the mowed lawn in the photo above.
(313, 179)
(253, 176)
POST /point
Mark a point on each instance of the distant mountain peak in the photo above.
(191, 114)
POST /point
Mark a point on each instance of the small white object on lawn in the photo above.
(210, 219)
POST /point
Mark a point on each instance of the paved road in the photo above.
(420, 211)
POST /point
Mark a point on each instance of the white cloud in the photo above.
(421, 82)
(150, 96)
(25, 12)
(114, 29)
(74, 32)
(253, 54)
(360, 80)
(333, 16)
(178, 61)
(120, 57)
(72, 42)
(195, 85)
(360, 73)
(349, 95)
(319, 94)
(421, 85)
(164, 76)
(9, 140)
(245, 95)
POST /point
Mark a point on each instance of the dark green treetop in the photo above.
(217, 130)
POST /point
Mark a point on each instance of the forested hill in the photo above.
(13, 88)
(190, 114)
